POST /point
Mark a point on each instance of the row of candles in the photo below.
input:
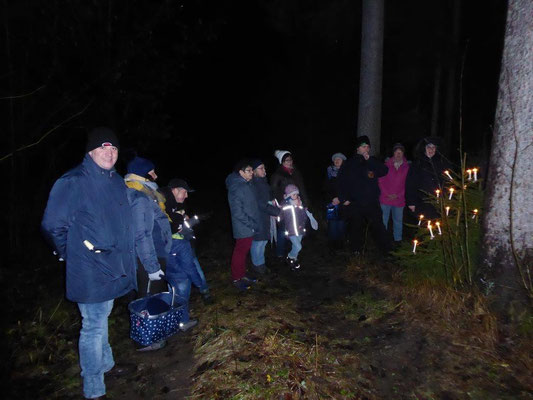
(472, 175)
(437, 224)
(470, 172)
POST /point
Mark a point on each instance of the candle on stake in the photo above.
(474, 170)
(447, 173)
(415, 242)
(430, 230)
(438, 227)
(469, 172)
(437, 193)
(474, 213)
(451, 193)
(420, 218)
(447, 210)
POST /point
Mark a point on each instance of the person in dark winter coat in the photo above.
(264, 197)
(88, 220)
(425, 175)
(152, 229)
(176, 193)
(293, 219)
(336, 225)
(285, 174)
(392, 186)
(359, 193)
(181, 269)
(151, 223)
(244, 220)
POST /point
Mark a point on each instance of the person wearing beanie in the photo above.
(244, 220)
(142, 167)
(293, 218)
(425, 175)
(392, 191)
(285, 174)
(267, 209)
(358, 192)
(336, 225)
(88, 222)
(151, 226)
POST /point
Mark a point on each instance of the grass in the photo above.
(251, 347)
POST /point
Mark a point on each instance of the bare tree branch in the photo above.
(46, 134)
(22, 95)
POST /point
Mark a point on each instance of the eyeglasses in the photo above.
(248, 170)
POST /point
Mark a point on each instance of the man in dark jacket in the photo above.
(424, 177)
(88, 220)
(264, 197)
(244, 219)
(358, 191)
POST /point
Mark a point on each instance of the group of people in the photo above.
(362, 191)
(261, 212)
(119, 235)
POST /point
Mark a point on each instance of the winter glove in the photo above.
(156, 276)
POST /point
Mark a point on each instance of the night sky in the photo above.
(196, 85)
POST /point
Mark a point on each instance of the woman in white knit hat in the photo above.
(285, 174)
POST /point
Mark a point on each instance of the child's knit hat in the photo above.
(290, 189)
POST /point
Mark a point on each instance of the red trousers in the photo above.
(238, 259)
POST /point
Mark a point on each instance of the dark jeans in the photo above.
(336, 229)
(371, 213)
(281, 241)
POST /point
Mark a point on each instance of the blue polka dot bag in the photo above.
(155, 317)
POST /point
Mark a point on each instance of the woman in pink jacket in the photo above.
(392, 186)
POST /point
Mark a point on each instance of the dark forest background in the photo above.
(196, 85)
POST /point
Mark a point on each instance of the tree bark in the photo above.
(508, 222)
(370, 81)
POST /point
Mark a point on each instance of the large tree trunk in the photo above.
(508, 222)
(369, 118)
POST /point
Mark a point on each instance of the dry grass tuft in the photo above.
(251, 349)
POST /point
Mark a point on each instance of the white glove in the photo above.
(156, 276)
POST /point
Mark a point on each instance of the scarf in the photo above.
(289, 170)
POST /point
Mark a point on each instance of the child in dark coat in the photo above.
(293, 217)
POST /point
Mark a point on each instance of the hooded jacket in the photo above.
(88, 208)
(393, 183)
(153, 238)
(263, 194)
(243, 206)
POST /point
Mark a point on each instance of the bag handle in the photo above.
(170, 287)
